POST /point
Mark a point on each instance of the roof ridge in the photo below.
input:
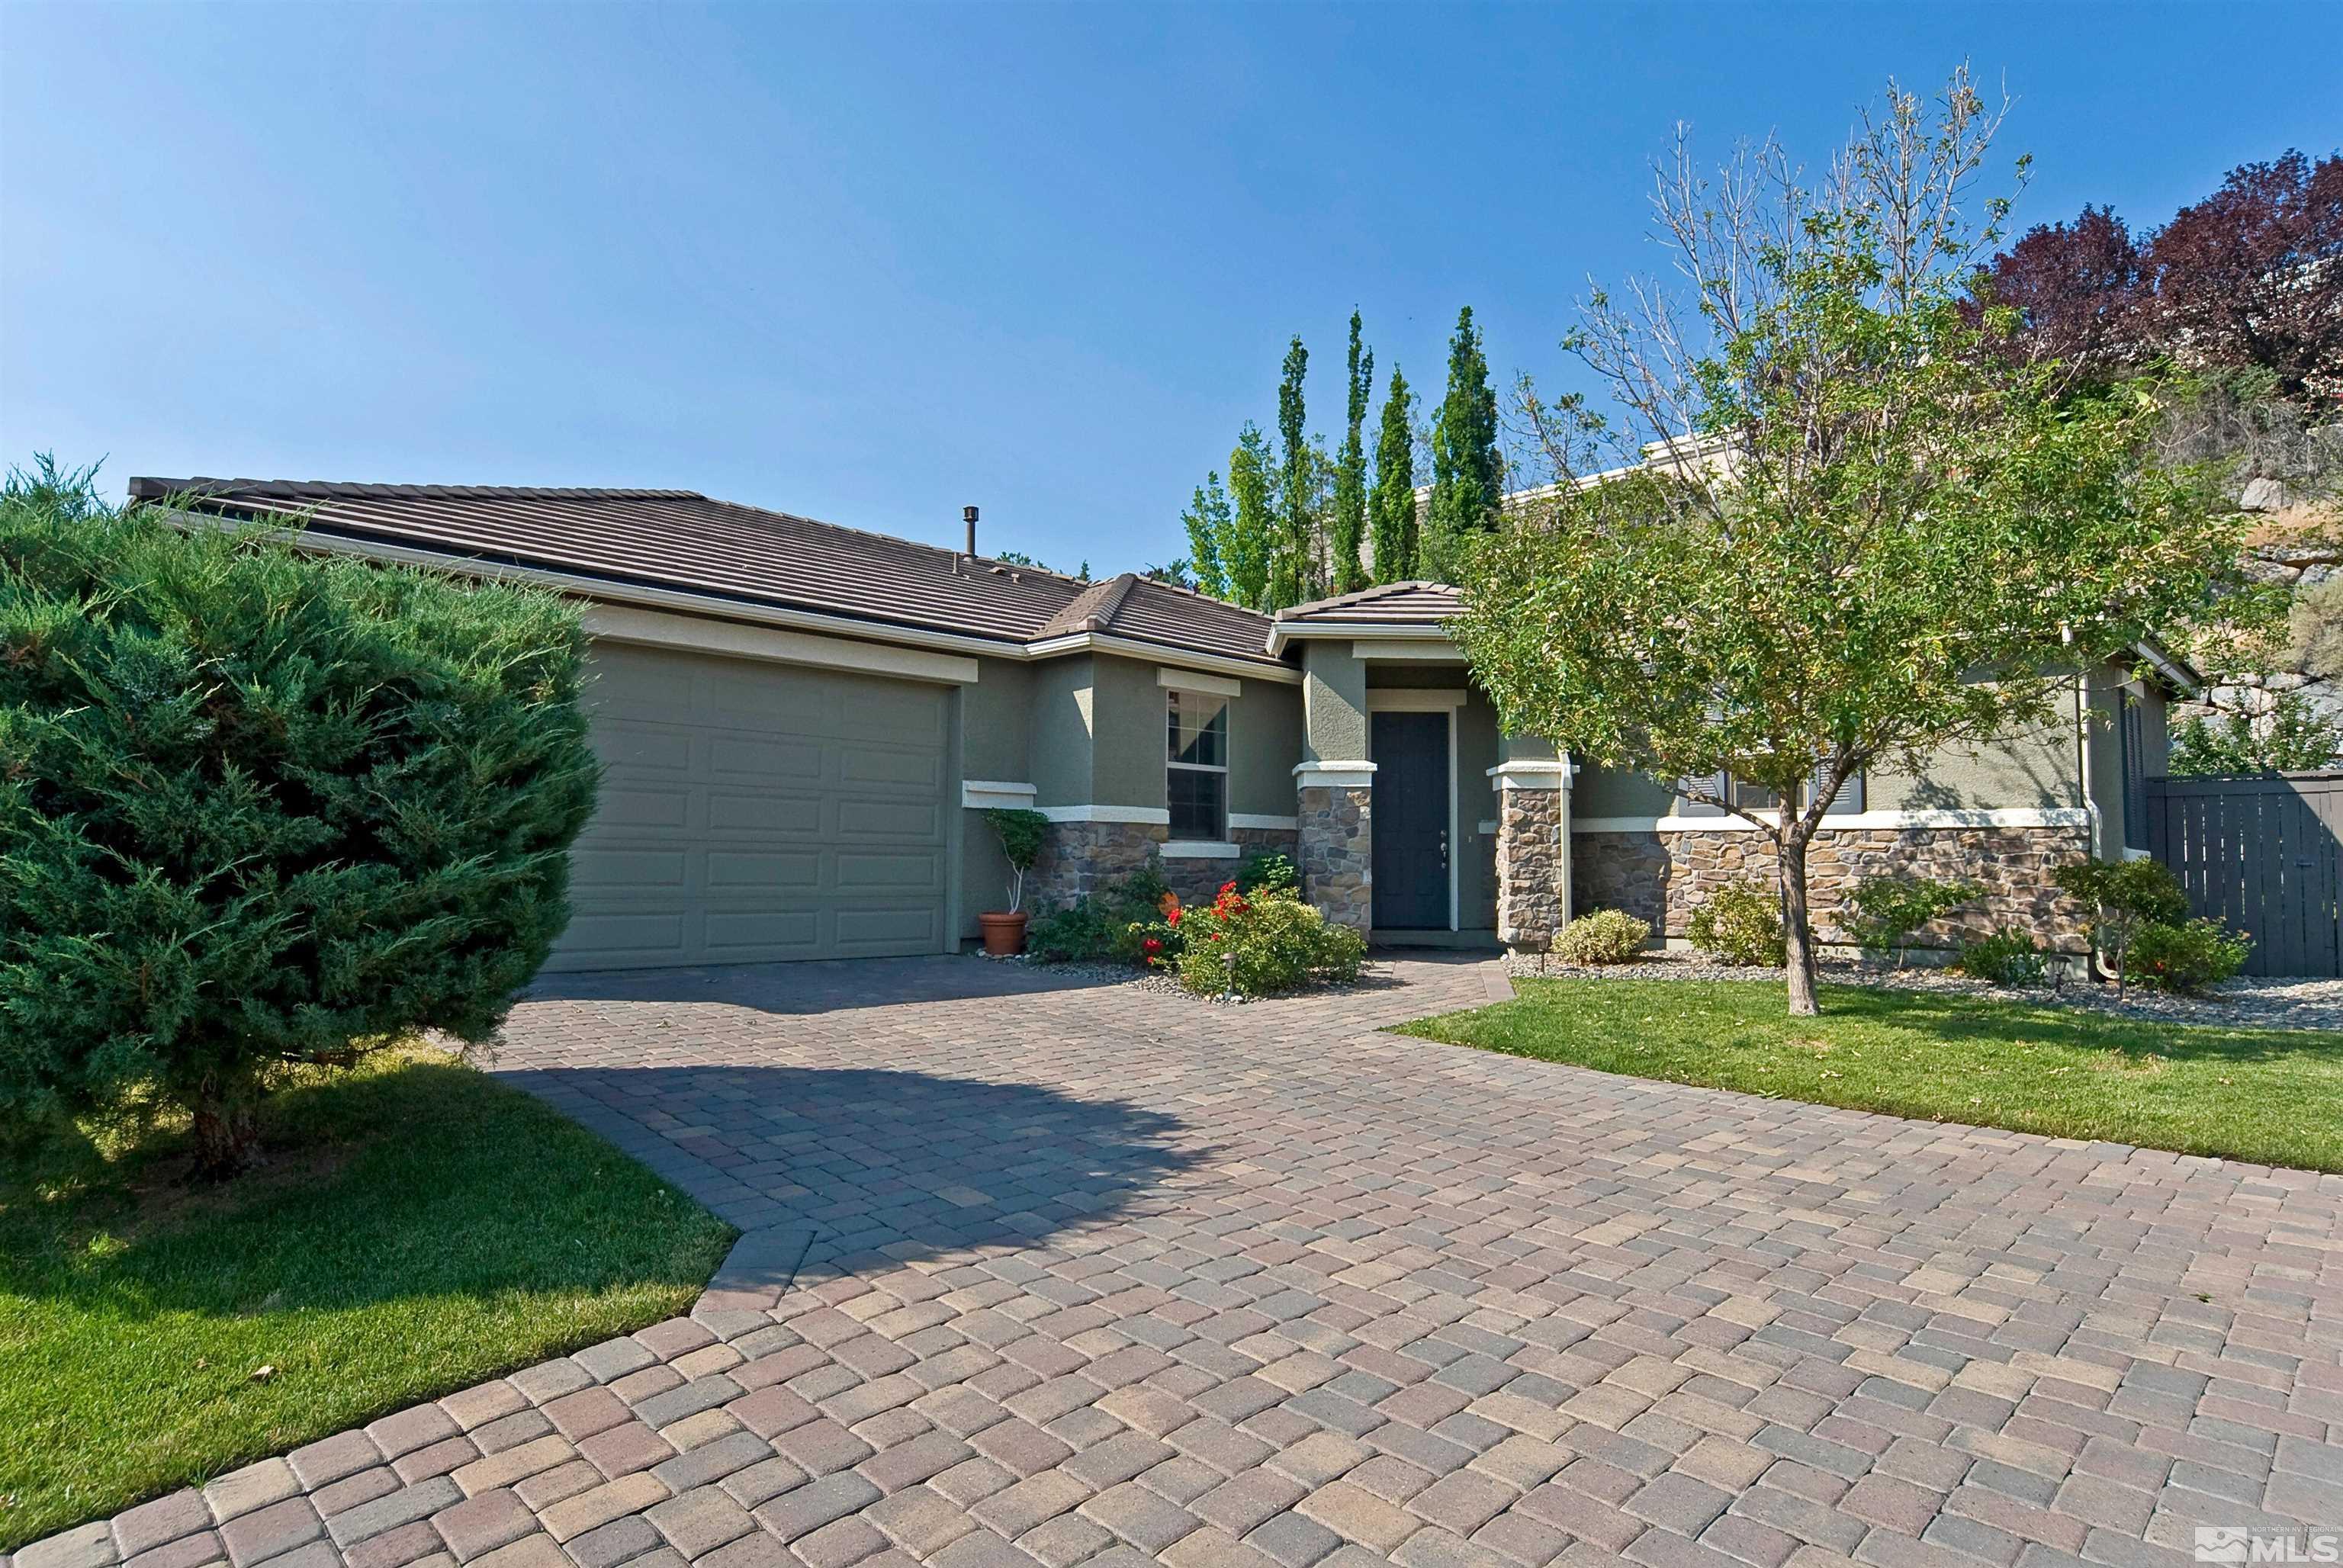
(146, 487)
(1093, 609)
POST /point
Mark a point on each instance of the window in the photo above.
(1196, 774)
(1753, 798)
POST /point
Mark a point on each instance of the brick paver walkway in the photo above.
(1090, 1275)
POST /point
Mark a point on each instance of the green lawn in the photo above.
(2269, 1096)
(419, 1227)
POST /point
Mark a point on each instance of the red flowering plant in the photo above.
(1263, 944)
(1156, 943)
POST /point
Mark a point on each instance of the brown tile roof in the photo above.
(681, 539)
(1406, 604)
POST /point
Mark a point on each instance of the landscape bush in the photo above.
(2129, 899)
(1741, 923)
(1886, 912)
(1602, 937)
(2009, 958)
(2185, 957)
(1268, 871)
(1263, 945)
(1103, 927)
(261, 809)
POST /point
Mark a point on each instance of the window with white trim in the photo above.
(1196, 770)
(1755, 798)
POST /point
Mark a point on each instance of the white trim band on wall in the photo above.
(1531, 773)
(1413, 700)
(1358, 775)
(1191, 680)
(2012, 817)
(1149, 815)
(990, 794)
(1261, 824)
(1198, 849)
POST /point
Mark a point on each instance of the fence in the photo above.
(2265, 854)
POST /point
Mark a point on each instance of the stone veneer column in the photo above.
(1335, 802)
(1532, 851)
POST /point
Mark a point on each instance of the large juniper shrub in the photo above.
(259, 808)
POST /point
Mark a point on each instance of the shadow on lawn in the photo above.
(435, 1180)
(1956, 1018)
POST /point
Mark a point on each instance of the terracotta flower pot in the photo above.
(1004, 933)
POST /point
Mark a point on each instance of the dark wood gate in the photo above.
(2265, 854)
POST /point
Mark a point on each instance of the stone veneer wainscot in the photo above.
(1663, 876)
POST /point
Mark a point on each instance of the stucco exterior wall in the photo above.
(1265, 744)
(1062, 728)
(995, 737)
(1334, 703)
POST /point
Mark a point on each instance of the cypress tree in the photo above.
(1467, 473)
(1289, 568)
(1252, 538)
(1208, 523)
(1391, 505)
(1346, 574)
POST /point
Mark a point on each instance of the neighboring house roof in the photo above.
(684, 541)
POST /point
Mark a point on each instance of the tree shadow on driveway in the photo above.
(817, 986)
(879, 1165)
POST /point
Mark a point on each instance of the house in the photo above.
(800, 723)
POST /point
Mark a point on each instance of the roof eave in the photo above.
(1284, 631)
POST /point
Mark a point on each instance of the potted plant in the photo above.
(1022, 834)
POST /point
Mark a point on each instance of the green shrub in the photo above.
(2185, 958)
(1604, 937)
(1740, 924)
(1887, 911)
(1268, 871)
(2125, 896)
(261, 808)
(2009, 958)
(1263, 946)
(1080, 932)
(1112, 925)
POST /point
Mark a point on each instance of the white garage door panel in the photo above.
(753, 812)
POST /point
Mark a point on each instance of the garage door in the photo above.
(752, 812)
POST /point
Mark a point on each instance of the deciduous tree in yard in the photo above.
(1468, 471)
(1847, 536)
(1253, 534)
(1344, 573)
(1208, 523)
(261, 809)
(1391, 507)
(1289, 576)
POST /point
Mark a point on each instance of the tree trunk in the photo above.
(1797, 940)
(227, 1130)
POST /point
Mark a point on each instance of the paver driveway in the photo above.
(1096, 1275)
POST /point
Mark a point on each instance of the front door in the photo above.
(1410, 822)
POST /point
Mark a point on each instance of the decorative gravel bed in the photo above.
(2275, 1003)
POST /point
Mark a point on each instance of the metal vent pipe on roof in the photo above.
(967, 516)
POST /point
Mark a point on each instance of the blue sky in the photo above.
(871, 264)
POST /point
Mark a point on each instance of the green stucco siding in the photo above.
(1334, 703)
(1127, 734)
(1265, 744)
(1061, 722)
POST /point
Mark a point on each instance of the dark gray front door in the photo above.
(1410, 821)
